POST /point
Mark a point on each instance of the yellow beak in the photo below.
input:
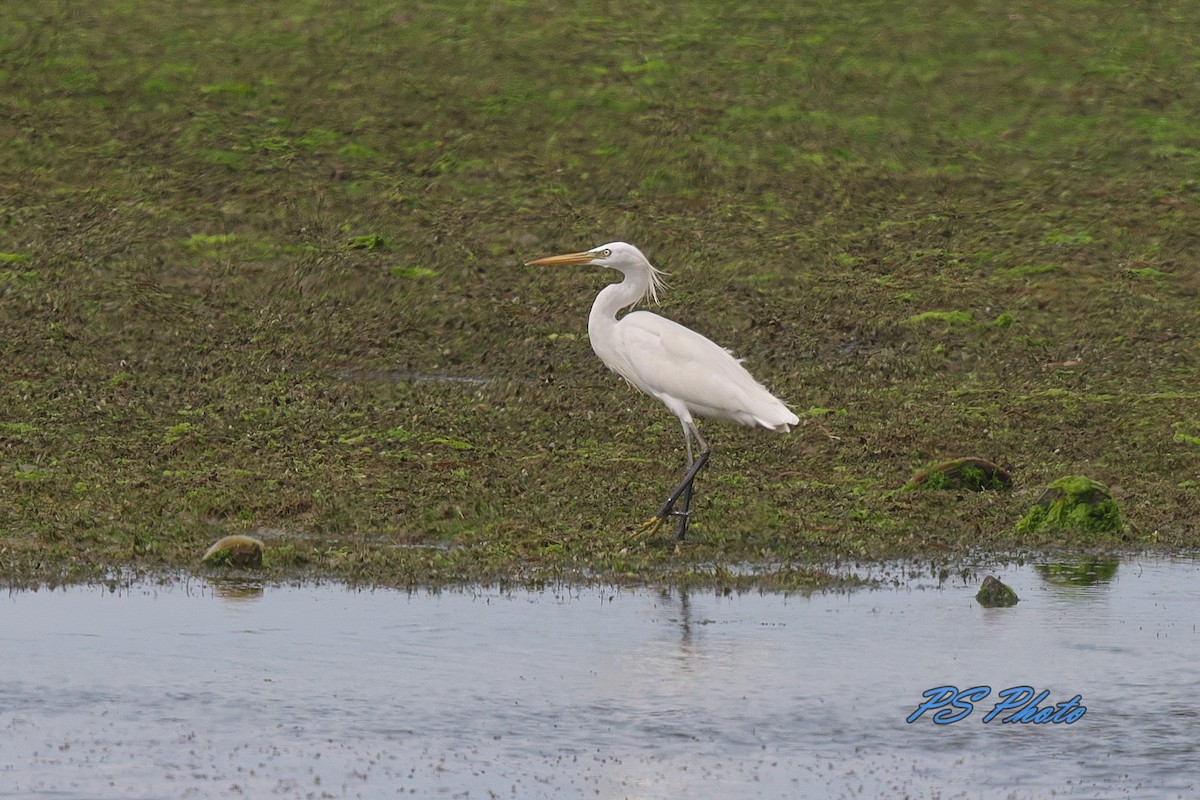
(569, 258)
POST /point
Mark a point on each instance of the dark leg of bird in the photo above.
(684, 489)
(683, 512)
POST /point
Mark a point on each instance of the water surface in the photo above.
(319, 691)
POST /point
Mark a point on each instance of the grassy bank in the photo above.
(235, 241)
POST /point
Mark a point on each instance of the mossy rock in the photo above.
(963, 474)
(235, 551)
(1073, 503)
(995, 594)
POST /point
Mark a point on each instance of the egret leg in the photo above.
(684, 513)
(685, 487)
(683, 490)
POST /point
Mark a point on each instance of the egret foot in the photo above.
(647, 528)
(655, 523)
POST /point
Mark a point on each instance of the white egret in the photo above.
(686, 372)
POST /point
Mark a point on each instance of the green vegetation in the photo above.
(370, 241)
(944, 317)
(965, 474)
(1073, 503)
(237, 242)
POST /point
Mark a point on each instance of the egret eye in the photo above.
(605, 253)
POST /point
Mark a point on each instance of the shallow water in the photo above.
(198, 691)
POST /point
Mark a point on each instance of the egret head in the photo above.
(615, 255)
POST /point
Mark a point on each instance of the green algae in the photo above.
(1073, 503)
(966, 474)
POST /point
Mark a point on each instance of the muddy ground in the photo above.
(261, 271)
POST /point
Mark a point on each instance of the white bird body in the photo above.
(684, 370)
(704, 379)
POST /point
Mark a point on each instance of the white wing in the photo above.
(686, 370)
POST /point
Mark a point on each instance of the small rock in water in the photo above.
(994, 594)
(236, 551)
